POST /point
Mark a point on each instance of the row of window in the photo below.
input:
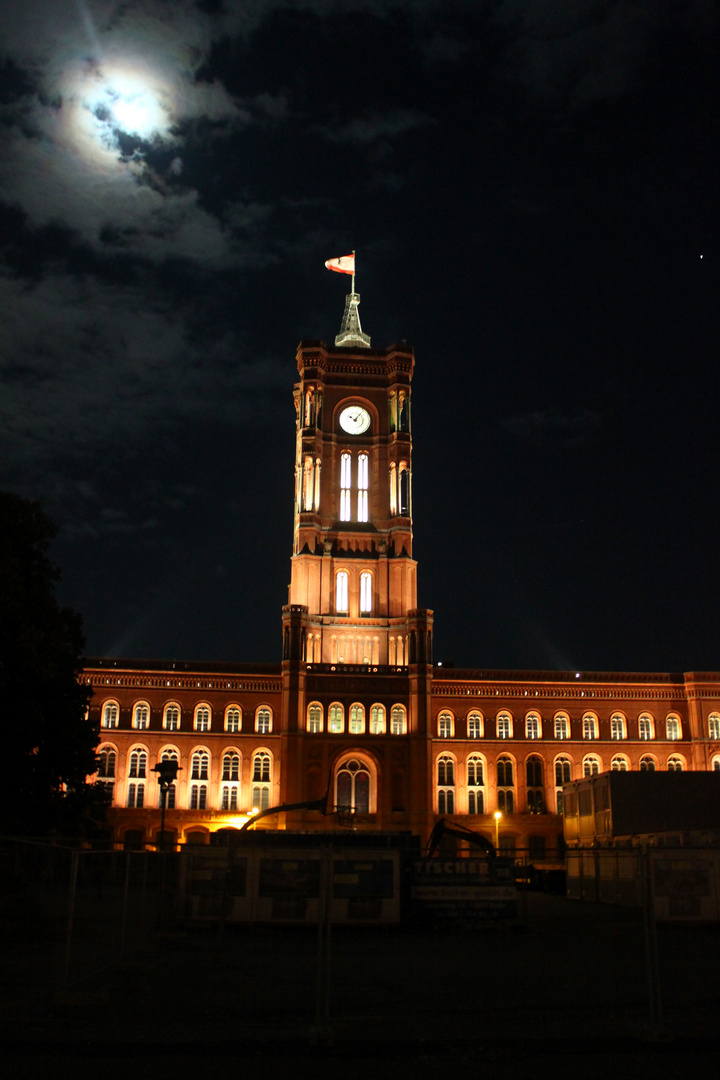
(356, 719)
(561, 728)
(475, 772)
(398, 409)
(172, 717)
(137, 760)
(355, 486)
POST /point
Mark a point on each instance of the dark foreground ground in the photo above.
(563, 993)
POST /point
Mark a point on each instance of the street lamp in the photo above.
(497, 815)
(167, 771)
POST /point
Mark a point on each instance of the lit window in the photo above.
(619, 764)
(141, 716)
(532, 726)
(617, 726)
(591, 766)
(136, 795)
(233, 719)
(341, 592)
(229, 797)
(357, 720)
(199, 765)
(315, 718)
(362, 497)
(261, 796)
(307, 483)
(198, 797)
(647, 764)
(672, 727)
(714, 725)
(231, 765)
(138, 764)
(106, 760)
(366, 591)
(505, 783)
(353, 787)
(645, 727)
(397, 720)
(476, 784)
(202, 718)
(675, 764)
(168, 754)
(404, 489)
(475, 725)
(336, 719)
(590, 726)
(563, 769)
(261, 767)
(377, 720)
(393, 489)
(263, 720)
(562, 726)
(171, 717)
(716, 764)
(445, 726)
(345, 484)
(504, 725)
(110, 714)
(446, 784)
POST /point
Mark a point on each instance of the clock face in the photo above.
(355, 420)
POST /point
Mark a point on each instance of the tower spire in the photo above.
(351, 332)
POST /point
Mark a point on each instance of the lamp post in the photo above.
(497, 815)
(167, 771)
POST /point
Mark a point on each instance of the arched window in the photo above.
(591, 765)
(198, 796)
(362, 495)
(618, 729)
(307, 503)
(476, 784)
(504, 725)
(141, 716)
(377, 720)
(475, 725)
(110, 714)
(203, 717)
(562, 725)
(403, 489)
(137, 762)
(619, 764)
(231, 765)
(534, 770)
(106, 761)
(647, 764)
(445, 725)
(356, 725)
(136, 794)
(675, 764)
(366, 592)
(353, 786)
(261, 779)
(345, 485)
(563, 768)
(715, 764)
(199, 765)
(532, 726)
(393, 489)
(230, 786)
(233, 719)
(590, 726)
(336, 718)
(171, 716)
(263, 720)
(169, 753)
(446, 784)
(315, 718)
(714, 725)
(398, 720)
(646, 727)
(341, 592)
(505, 786)
(672, 727)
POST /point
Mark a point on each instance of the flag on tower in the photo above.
(344, 265)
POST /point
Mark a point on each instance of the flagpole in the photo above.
(353, 273)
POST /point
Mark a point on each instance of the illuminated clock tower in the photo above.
(352, 565)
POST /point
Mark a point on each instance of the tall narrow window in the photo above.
(534, 775)
(106, 759)
(377, 720)
(404, 490)
(308, 483)
(617, 726)
(345, 486)
(171, 717)
(141, 716)
(366, 591)
(261, 767)
(474, 725)
(357, 720)
(341, 592)
(590, 730)
(233, 719)
(136, 795)
(315, 718)
(476, 784)
(504, 725)
(672, 727)
(714, 725)
(397, 720)
(532, 726)
(263, 720)
(363, 484)
(336, 719)
(199, 765)
(505, 785)
(393, 489)
(231, 765)
(645, 726)
(352, 786)
(110, 715)
(591, 765)
(562, 726)
(445, 726)
(198, 797)
(446, 784)
(202, 718)
(138, 764)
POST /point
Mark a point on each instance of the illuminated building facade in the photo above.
(356, 706)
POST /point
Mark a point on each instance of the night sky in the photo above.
(531, 187)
